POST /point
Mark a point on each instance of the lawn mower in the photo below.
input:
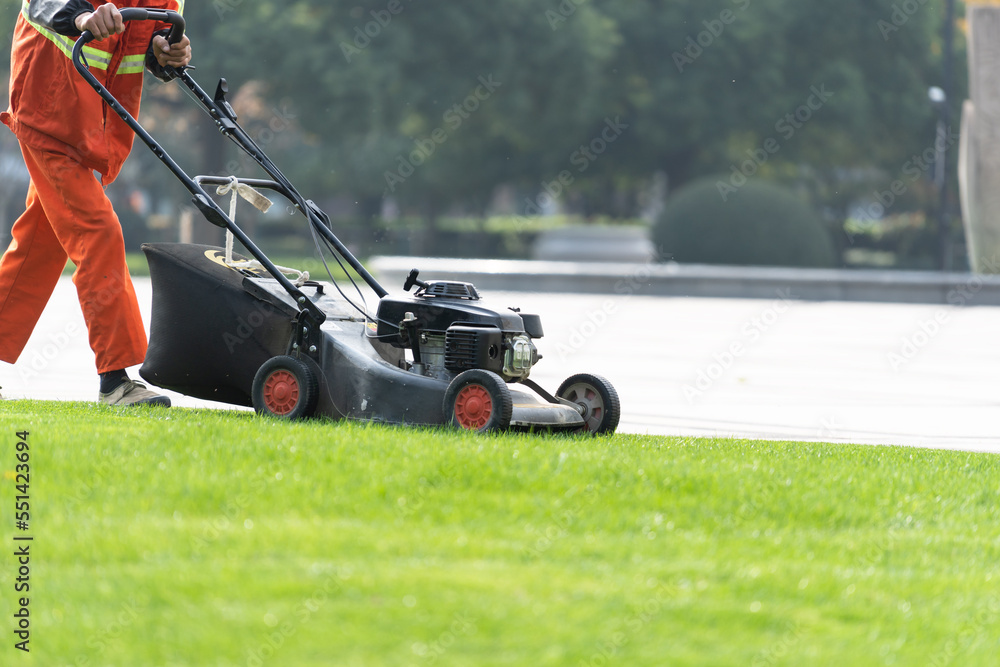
(230, 329)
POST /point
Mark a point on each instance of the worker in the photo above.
(68, 136)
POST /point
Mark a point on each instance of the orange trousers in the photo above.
(68, 215)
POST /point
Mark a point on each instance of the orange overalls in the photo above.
(67, 133)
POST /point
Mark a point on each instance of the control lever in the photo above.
(221, 99)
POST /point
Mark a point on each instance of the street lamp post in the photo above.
(939, 100)
(942, 103)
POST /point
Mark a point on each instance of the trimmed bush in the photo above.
(761, 224)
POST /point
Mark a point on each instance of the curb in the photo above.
(698, 280)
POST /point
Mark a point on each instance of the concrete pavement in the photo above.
(774, 368)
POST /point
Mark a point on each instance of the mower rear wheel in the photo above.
(600, 408)
(285, 387)
(479, 400)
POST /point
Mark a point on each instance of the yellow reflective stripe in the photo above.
(95, 57)
(132, 64)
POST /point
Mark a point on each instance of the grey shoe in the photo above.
(131, 393)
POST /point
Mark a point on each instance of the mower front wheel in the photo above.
(479, 400)
(597, 400)
(285, 387)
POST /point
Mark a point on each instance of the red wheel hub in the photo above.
(591, 402)
(473, 407)
(281, 392)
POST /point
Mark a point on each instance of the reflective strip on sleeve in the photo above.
(95, 57)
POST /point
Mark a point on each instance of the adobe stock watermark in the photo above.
(223, 7)
(462, 625)
(106, 466)
(902, 12)
(113, 290)
(912, 171)
(714, 29)
(370, 31)
(283, 630)
(281, 120)
(234, 509)
(786, 127)
(562, 13)
(981, 626)
(751, 332)
(829, 428)
(453, 120)
(765, 494)
(40, 360)
(562, 521)
(609, 649)
(928, 329)
(408, 506)
(245, 327)
(597, 318)
(582, 159)
(101, 641)
(912, 345)
(967, 292)
(778, 652)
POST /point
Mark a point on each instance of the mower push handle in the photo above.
(175, 20)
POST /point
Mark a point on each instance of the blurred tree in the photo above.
(707, 84)
(437, 103)
(433, 103)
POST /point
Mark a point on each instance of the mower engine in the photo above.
(449, 331)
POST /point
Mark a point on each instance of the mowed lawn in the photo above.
(178, 537)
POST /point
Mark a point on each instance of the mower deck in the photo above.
(359, 376)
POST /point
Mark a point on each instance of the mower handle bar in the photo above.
(175, 20)
(227, 124)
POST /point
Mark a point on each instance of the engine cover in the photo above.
(437, 315)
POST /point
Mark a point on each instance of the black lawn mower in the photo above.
(248, 335)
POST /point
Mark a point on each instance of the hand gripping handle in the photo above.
(175, 20)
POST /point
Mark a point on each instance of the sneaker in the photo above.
(130, 393)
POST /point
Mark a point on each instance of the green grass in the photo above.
(176, 537)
